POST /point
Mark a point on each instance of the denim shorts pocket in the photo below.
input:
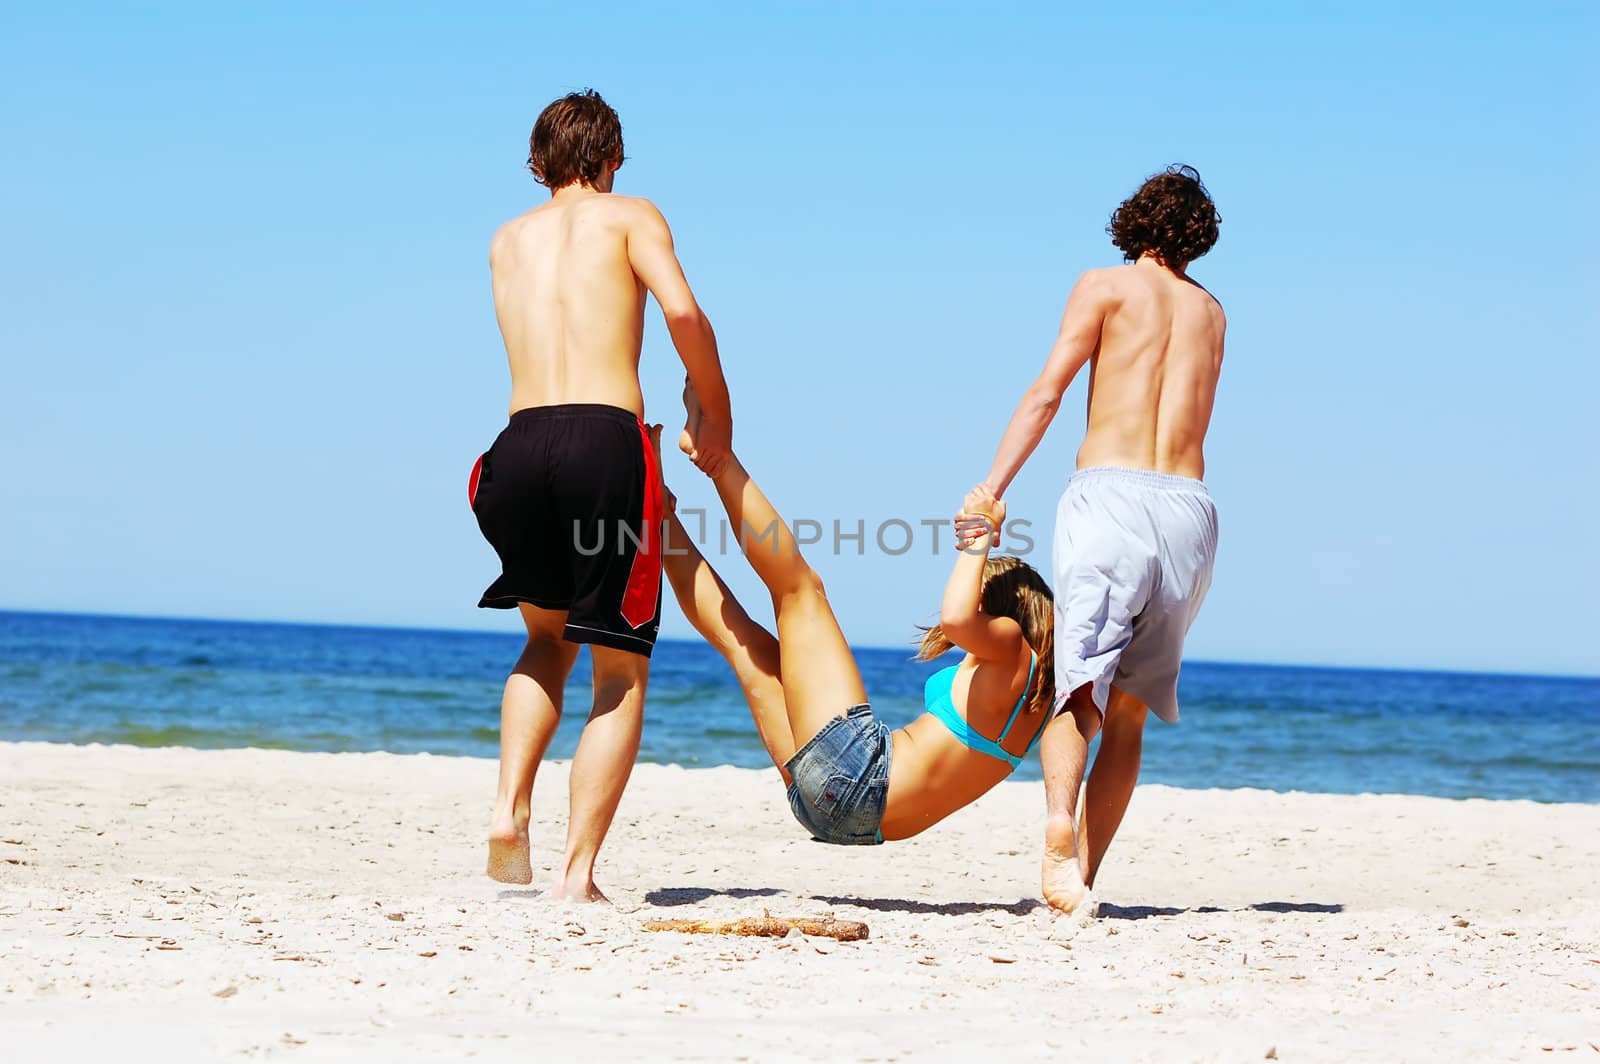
(837, 793)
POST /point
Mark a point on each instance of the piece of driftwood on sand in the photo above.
(769, 926)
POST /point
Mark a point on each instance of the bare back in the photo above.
(570, 306)
(1153, 375)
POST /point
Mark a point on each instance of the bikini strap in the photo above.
(1033, 662)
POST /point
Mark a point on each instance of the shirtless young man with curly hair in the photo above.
(1136, 531)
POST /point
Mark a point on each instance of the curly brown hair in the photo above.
(1171, 217)
(573, 140)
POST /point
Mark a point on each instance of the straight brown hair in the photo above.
(573, 139)
(1013, 588)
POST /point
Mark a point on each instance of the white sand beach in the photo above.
(183, 905)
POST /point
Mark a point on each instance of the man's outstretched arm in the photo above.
(654, 261)
(1075, 344)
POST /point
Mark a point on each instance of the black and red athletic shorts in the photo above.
(569, 498)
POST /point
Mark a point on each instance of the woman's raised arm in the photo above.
(961, 615)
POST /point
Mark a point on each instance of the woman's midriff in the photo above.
(931, 775)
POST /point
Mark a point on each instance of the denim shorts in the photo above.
(841, 780)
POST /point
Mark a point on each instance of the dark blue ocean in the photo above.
(147, 682)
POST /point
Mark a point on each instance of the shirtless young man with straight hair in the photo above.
(1136, 532)
(569, 494)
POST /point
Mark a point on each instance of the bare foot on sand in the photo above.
(578, 890)
(508, 856)
(1061, 874)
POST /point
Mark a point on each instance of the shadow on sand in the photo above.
(1144, 912)
(954, 908)
(692, 895)
(669, 896)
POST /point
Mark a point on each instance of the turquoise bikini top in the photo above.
(937, 696)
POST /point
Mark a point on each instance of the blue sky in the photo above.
(249, 352)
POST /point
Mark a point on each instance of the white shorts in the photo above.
(1133, 557)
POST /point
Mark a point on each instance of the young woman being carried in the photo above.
(851, 780)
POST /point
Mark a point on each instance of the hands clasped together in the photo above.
(982, 514)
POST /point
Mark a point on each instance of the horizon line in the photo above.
(5, 610)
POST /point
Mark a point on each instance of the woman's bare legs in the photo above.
(822, 681)
(750, 649)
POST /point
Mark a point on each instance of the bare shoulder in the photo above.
(635, 204)
(1208, 315)
(1098, 277)
(1213, 304)
(1097, 285)
(509, 235)
(638, 214)
(1103, 290)
(504, 238)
